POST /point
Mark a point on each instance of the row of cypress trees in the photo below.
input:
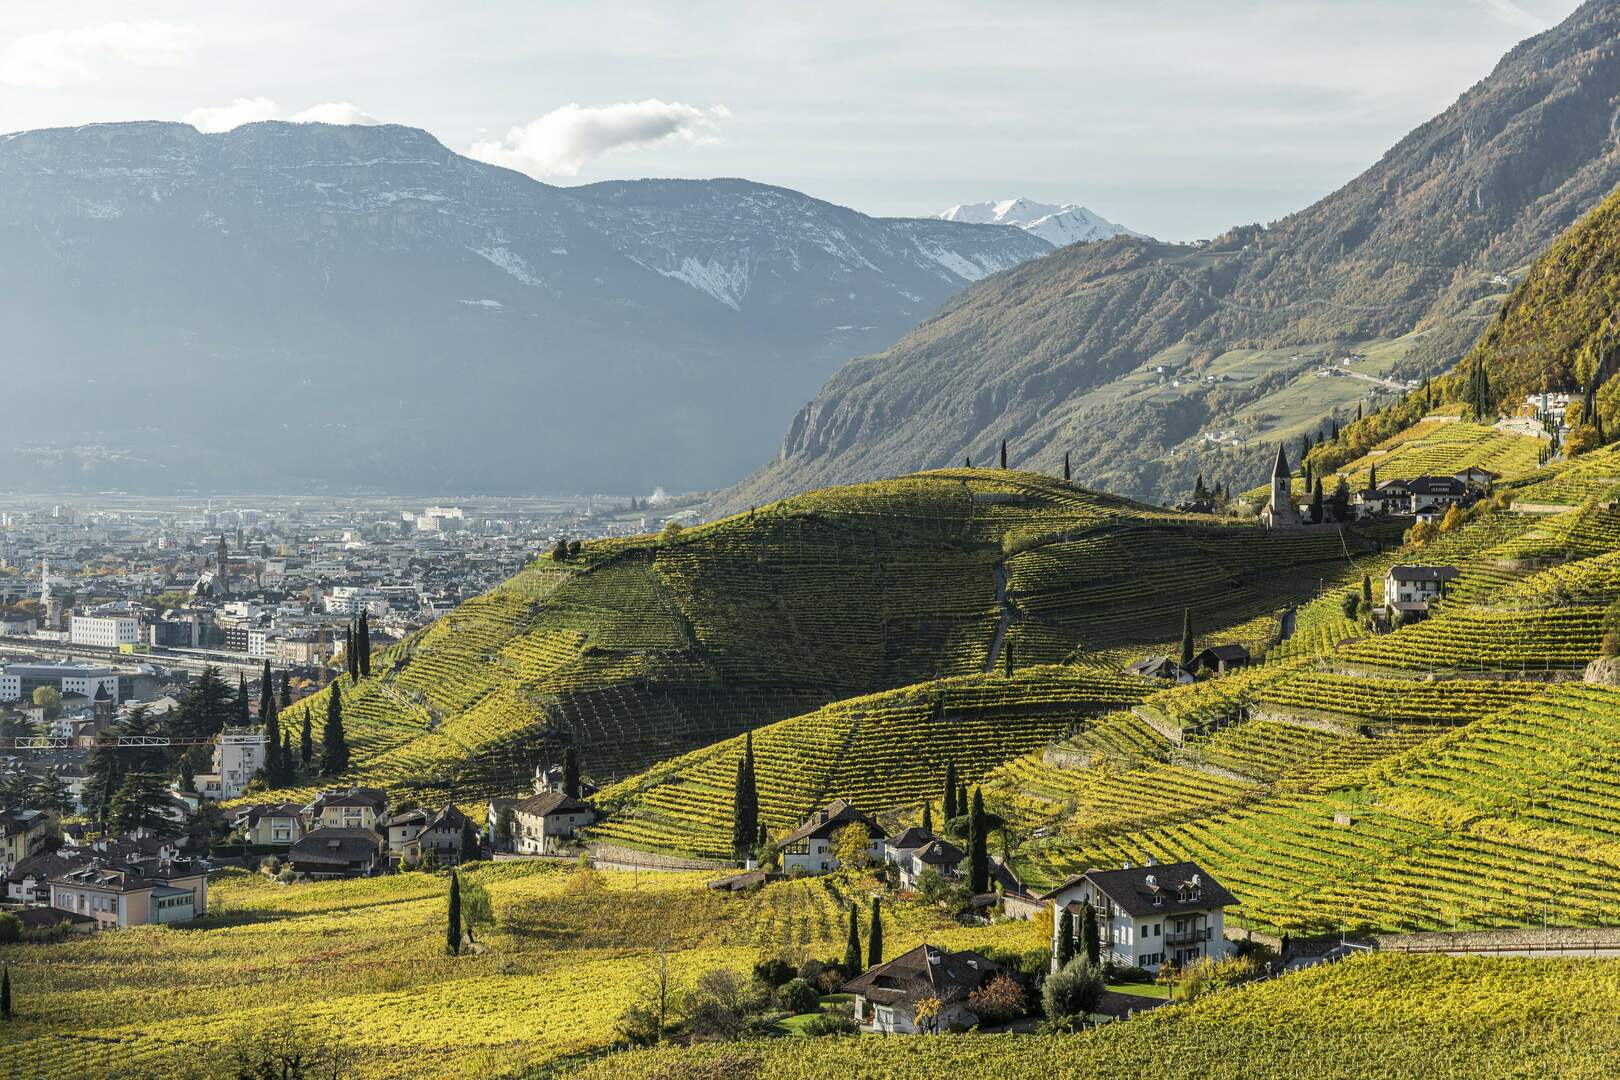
(874, 940)
(1090, 936)
(357, 648)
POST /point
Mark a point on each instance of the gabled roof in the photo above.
(913, 837)
(448, 818)
(1437, 485)
(1226, 653)
(1424, 573)
(926, 971)
(548, 803)
(939, 852)
(1153, 666)
(1177, 887)
(838, 815)
(336, 847)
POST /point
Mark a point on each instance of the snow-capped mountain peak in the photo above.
(1057, 225)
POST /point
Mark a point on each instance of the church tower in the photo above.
(1281, 510)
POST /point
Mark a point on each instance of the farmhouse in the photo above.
(402, 828)
(420, 832)
(1222, 658)
(1416, 584)
(886, 996)
(810, 846)
(916, 850)
(1436, 492)
(118, 896)
(545, 821)
(271, 823)
(1146, 915)
(336, 853)
(1160, 667)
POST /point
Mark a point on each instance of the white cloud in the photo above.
(211, 119)
(58, 58)
(334, 112)
(238, 112)
(1514, 15)
(563, 140)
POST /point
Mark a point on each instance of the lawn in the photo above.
(795, 1025)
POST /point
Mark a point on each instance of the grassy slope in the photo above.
(645, 648)
(1377, 1016)
(363, 962)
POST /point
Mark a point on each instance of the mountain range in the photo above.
(1148, 363)
(307, 307)
(1057, 225)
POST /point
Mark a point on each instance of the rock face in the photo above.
(1604, 671)
(1056, 355)
(298, 305)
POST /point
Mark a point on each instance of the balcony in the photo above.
(1188, 937)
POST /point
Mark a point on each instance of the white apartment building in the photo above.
(237, 756)
(353, 599)
(19, 681)
(105, 631)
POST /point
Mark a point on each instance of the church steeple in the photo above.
(1281, 468)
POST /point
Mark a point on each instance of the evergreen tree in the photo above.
(1316, 502)
(571, 771)
(979, 857)
(1366, 589)
(961, 799)
(470, 850)
(334, 747)
(1199, 494)
(1358, 411)
(350, 655)
(745, 811)
(363, 644)
(306, 743)
(1065, 465)
(138, 803)
(1003, 453)
(874, 936)
(1065, 941)
(267, 690)
(967, 462)
(1186, 638)
(1089, 933)
(1372, 478)
(188, 777)
(5, 993)
(286, 691)
(1007, 657)
(452, 935)
(928, 818)
(286, 762)
(852, 947)
(242, 717)
(273, 765)
(950, 790)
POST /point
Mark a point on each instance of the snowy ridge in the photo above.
(1057, 225)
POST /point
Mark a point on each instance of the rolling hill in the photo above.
(1151, 362)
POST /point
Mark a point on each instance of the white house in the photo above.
(1416, 584)
(810, 846)
(545, 820)
(917, 850)
(1436, 492)
(238, 754)
(886, 996)
(1146, 915)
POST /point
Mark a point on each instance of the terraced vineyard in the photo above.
(878, 752)
(641, 649)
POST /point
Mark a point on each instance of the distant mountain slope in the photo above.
(1057, 225)
(1066, 353)
(359, 306)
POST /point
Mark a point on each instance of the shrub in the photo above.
(11, 928)
(1071, 995)
(1130, 974)
(720, 1004)
(773, 972)
(797, 996)
(1349, 605)
(998, 1000)
(835, 1021)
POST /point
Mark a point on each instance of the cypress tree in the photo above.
(874, 937)
(928, 817)
(1006, 657)
(242, 716)
(961, 799)
(967, 462)
(286, 763)
(1366, 589)
(1065, 465)
(852, 947)
(740, 832)
(979, 868)
(1065, 941)
(950, 790)
(1186, 638)
(571, 772)
(1003, 453)
(1090, 934)
(267, 690)
(452, 934)
(188, 777)
(350, 655)
(272, 743)
(286, 691)
(334, 747)
(306, 744)
(363, 645)
(5, 993)
(1316, 501)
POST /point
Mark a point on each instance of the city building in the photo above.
(238, 755)
(104, 631)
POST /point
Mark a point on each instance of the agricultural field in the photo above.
(363, 962)
(1371, 1017)
(639, 650)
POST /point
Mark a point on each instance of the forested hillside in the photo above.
(1126, 352)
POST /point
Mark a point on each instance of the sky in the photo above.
(1175, 118)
